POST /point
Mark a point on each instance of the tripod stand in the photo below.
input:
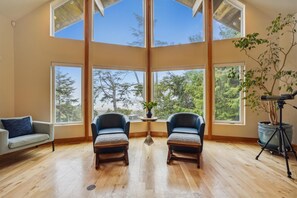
(283, 137)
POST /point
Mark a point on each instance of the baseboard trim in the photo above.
(164, 134)
(137, 134)
(71, 140)
(230, 138)
(144, 134)
(158, 134)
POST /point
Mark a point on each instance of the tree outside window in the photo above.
(118, 91)
(227, 95)
(179, 91)
(68, 106)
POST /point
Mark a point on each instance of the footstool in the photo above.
(183, 140)
(111, 141)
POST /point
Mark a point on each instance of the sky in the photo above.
(173, 23)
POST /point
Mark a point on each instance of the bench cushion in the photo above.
(26, 140)
(184, 139)
(111, 140)
(185, 130)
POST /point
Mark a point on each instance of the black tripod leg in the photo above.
(282, 132)
(290, 145)
(257, 157)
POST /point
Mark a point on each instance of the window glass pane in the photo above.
(227, 20)
(177, 22)
(119, 22)
(68, 93)
(179, 91)
(68, 20)
(227, 95)
(118, 91)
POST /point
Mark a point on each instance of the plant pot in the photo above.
(266, 130)
(149, 114)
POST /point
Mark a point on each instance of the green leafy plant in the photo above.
(149, 105)
(269, 75)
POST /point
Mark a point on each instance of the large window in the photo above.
(228, 103)
(119, 22)
(179, 91)
(67, 19)
(228, 19)
(118, 91)
(67, 89)
(177, 22)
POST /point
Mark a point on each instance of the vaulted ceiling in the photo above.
(16, 9)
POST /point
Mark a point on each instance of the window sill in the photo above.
(69, 124)
(229, 123)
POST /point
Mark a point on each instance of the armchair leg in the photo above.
(198, 159)
(126, 156)
(169, 155)
(97, 161)
(53, 145)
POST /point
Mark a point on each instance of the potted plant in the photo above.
(269, 74)
(149, 106)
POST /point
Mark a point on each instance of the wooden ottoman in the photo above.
(183, 140)
(110, 141)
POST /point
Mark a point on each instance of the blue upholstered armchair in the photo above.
(187, 123)
(110, 123)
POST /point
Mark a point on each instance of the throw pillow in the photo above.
(18, 127)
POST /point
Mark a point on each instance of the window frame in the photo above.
(53, 93)
(242, 113)
(240, 6)
(181, 68)
(119, 69)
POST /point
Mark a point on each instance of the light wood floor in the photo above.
(227, 170)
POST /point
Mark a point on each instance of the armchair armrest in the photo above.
(126, 125)
(170, 124)
(95, 128)
(3, 141)
(44, 127)
(201, 127)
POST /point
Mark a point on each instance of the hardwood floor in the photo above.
(227, 170)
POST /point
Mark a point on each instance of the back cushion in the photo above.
(18, 127)
(110, 121)
(186, 120)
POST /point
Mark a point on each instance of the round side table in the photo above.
(148, 140)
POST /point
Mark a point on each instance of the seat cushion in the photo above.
(110, 131)
(111, 140)
(184, 139)
(185, 130)
(26, 140)
(18, 127)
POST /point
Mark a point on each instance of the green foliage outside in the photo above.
(179, 93)
(227, 95)
(68, 108)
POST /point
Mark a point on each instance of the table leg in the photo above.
(148, 140)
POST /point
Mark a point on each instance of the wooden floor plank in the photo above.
(227, 170)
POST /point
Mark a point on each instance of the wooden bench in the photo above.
(183, 140)
(111, 141)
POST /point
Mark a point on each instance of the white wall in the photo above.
(6, 68)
